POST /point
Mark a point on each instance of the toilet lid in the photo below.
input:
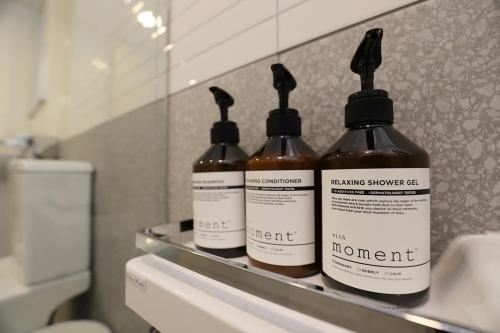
(75, 326)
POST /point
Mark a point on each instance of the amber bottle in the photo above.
(281, 194)
(218, 188)
(375, 198)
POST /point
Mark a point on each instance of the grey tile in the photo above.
(191, 114)
(441, 67)
(128, 154)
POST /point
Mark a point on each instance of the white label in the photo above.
(219, 209)
(376, 228)
(280, 216)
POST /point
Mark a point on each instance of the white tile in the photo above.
(201, 12)
(227, 56)
(135, 76)
(286, 4)
(161, 85)
(139, 96)
(178, 7)
(137, 57)
(162, 62)
(242, 16)
(138, 76)
(325, 16)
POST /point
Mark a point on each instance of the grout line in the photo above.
(136, 46)
(200, 53)
(278, 28)
(143, 83)
(215, 77)
(113, 117)
(224, 10)
(225, 40)
(144, 61)
(113, 98)
(184, 10)
(140, 43)
(350, 26)
(294, 6)
(298, 45)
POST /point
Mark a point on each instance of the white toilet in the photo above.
(49, 207)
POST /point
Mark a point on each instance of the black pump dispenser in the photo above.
(368, 105)
(284, 120)
(223, 131)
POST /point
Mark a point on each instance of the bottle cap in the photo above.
(284, 120)
(369, 104)
(223, 131)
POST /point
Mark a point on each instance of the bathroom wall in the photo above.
(211, 37)
(84, 62)
(441, 66)
(19, 22)
(117, 64)
(128, 155)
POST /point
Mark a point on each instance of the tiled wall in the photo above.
(117, 64)
(19, 21)
(92, 61)
(211, 37)
(441, 67)
(128, 155)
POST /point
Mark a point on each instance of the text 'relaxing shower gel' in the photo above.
(375, 197)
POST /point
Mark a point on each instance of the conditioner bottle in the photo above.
(375, 197)
(281, 179)
(218, 188)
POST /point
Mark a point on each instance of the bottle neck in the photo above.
(368, 124)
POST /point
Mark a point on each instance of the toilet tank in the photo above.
(50, 205)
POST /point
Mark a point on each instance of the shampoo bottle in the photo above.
(375, 197)
(280, 179)
(218, 188)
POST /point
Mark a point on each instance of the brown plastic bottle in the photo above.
(218, 188)
(282, 199)
(375, 198)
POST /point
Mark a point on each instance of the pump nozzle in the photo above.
(368, 105)
(368, 57)
(223, 99)
(223, 131)
(284, 82)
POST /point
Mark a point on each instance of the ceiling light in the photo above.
(161, 30)
(147, 19)
(137, 8)
(192, 82)
(99, 64)
(168, 47)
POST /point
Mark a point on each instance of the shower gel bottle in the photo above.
(281, 193)
(218, 188)
(375, 197)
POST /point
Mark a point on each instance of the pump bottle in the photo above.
(218, 188)
(375, 197)
(281, 207)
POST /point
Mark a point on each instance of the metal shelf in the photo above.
(173, 242)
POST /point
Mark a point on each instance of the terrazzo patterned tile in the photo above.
(191, 115)
(441, 67)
